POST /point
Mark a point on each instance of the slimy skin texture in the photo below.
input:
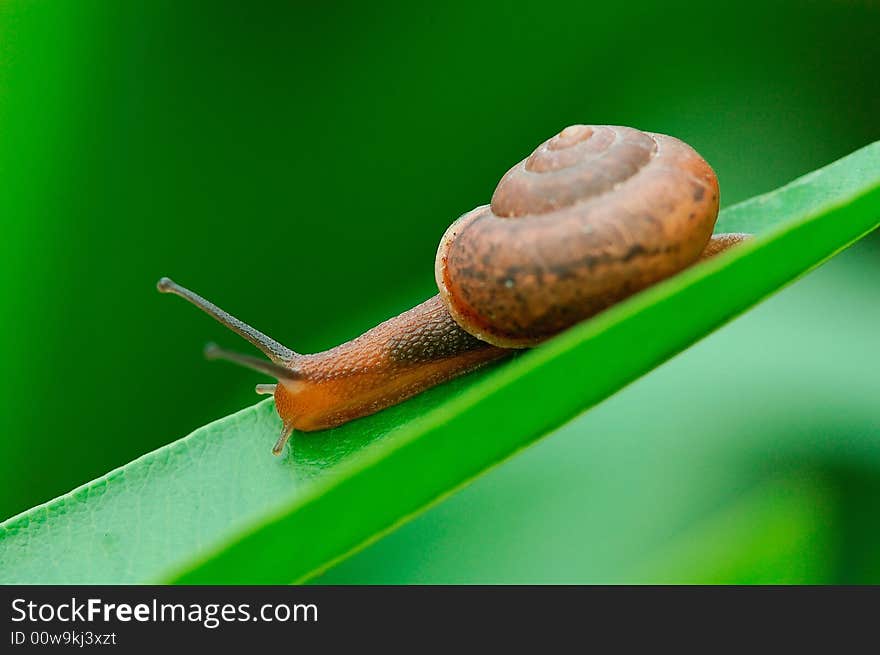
(594, 215)
(391, 362)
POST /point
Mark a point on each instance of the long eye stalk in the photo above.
(275, 351)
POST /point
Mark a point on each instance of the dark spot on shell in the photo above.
(561, 271)
(473, 273)
(590, 261)
(699, 192)
(633, 252)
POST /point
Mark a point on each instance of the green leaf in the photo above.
(216, 507)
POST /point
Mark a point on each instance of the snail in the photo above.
(594, 215)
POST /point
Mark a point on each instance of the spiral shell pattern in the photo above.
(594, 215)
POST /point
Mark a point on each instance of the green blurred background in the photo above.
(298, 163)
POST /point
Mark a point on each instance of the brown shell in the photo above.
(594, 215)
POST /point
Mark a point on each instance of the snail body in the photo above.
(594, 215)
(393, 361)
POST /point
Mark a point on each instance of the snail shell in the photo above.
(595, 214)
